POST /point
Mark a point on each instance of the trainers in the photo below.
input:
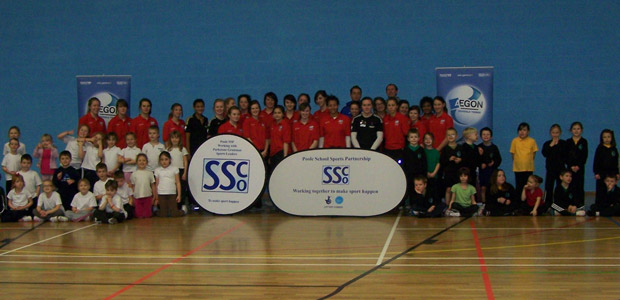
(580, 213)
(184, 208)
(62, 219)
(415, 213)
(112, 221)
(453, 213)
(54, 219)
(87, 219)
(37, 219)
(26, 219)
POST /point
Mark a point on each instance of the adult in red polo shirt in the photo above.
(270, 101)
(140, 124)
(121, 123)
(305, 131)
(439, 123)
(290, 114)
(232, 126)
(174, 123)
(243, 102)
(280, 136)
(320, 99)
(335, 129)
(415, 122)
(395, 128)
(92, 118)
(255, 130)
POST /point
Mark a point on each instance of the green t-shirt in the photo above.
(432, 159)
(463, 196)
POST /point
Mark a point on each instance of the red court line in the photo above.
(149, 275)
(483, 265)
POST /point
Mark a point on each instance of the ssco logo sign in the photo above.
(335, 174)
(225, 175)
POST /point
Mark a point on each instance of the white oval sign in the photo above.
(226, 174)
(337, 182)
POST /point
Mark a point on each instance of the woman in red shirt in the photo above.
(270, 100)
(415, 122)
(320, 99)
(335, 128)
(175, 123)
(121, 123)
(255, 130)
(395, 128)
(232, 126)
(92, 118)
(280, 136)
(305, 131)
(291, 114)
(439, 123)
(243, 102)
(140, 124)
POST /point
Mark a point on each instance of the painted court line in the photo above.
(483, 266)
(48, 239)
(389, 239)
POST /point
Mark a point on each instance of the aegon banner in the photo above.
(337, 182)
(108, 89)
(226, 174)
(469, 95)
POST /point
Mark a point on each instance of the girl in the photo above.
(232, 126)
(83, 203)
(291, 114)
(243, 102)
(280, 134)
(576, 157)
(450, 160)
(14, 133)
(128, 155)
(320, 99)
(218, 119)
(73, 144)
(20, 202)
(92, 118)
(605, 161)
(228, 103)
(554, 150)
(197, 129)
(415, 122)
(255, 131)
(366, 128)
(11, 162)
(140, 125)
(463, 200)
(532, 197)
(270, 100)
(180, 160)
(433, 165)
(426, 105)
(91, 152)
(111, 153)
(47, 154)
(523, 150)
(49, 205)
(502, 199)
(395, 128)
(143, 186)
(403, 107)
(490, 159)
(121, 123)
(305, 132)
(379, 106)
(354, 109)
(440, 122)
(175, 123)
(335, 128)
(303, 98)
(168, 187)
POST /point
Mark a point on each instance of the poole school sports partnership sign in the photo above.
(337, 182)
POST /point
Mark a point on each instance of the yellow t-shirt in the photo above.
(523, 150)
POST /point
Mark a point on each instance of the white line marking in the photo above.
(45, 240)
(511, 228)
(389, 238)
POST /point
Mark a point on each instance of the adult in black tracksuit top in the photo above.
(414, 164)
(554, 151)
(576, 156)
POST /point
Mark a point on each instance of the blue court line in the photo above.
(615, 222)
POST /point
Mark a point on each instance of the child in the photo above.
(463, 201)
(74, 143)
(47, 154)
(32, 180)
(49, 205)
(523, 150)
(554, 151)
(91, 152)
(532, 197)
(450, 160)
(111, 153)
(111, 208)
(470, 155)
(125, 192)
(83, 203)
(490, 160)
(432, 165)
(128, 156)
(99, 189)
(414, 116)
(605, 161)
(20, 202)
(11, 163)
(502, 199)
(65, 179)
(576, 157)
(565, 199)
(414, 159)
(14, 133)
(424, 202)
(232, 126)
(143, 186)
(168, 187)
(180, 158)
(153, 148)
(608, 204)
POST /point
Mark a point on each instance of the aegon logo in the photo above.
(335, 174)
(226, 175)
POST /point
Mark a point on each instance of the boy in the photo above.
(11, 163)
(111, 208)
(99, 189)
(125, 192)
(65, 179)
(153, 148)
(424, 202)
(32, 179)
(490, 160)
(413, 159)
(463, 201)
(564, 197)
(83, 203)
(470, 154)
(450, 160)
(607, 204)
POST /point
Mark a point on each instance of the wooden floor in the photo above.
(277, 256)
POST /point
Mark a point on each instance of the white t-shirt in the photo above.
(152, 153)
(167, 180)
(32, 180)
(141, 181)
(47, 203)
(99, 188)
(91, 156)
(19, 199)
(130, 153)
(72, 147)
(12, 162)
(110, 156)
(124, 191)
(84, 201)
(21, 150)
(117, 202)
(177, 157)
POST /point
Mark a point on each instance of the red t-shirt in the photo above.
(121, 128)
(335, 130)
(95, 124)
(305, 134)
(531, 195)
(318, 115)
(394, 131)
(256, 131)
(422, 129)
(140, 126)
(280, 133)
(170, 126)
(243, 117)
(229, 128)
(266, 117)
(438, 126)
(294, 118)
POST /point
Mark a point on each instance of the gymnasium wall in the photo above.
(555, 61)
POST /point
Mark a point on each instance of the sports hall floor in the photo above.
(272, 255)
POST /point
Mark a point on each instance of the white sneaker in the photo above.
(184, 208)
(54, 219)
(26, 219)
(454, 213)
(37, 219)
(598, 213)
(580, 213)
(112, 221)
(62, 219)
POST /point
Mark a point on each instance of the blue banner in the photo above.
(108, 89)
(468, 93)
